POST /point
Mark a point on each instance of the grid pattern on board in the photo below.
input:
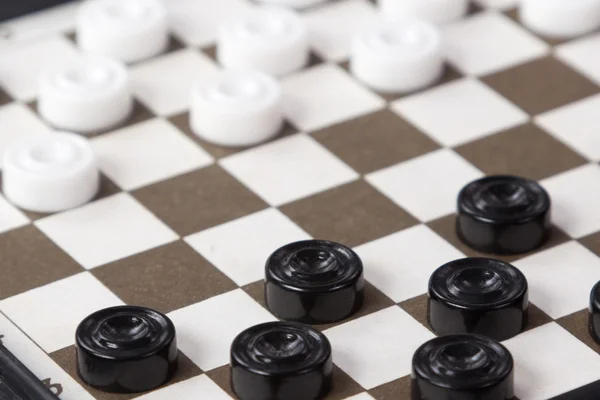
(185, 227)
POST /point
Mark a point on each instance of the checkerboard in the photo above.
(185, 227)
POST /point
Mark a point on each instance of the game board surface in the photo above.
(185, 227)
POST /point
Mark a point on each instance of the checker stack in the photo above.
(184, 226)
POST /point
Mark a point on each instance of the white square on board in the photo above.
(549, 361)
(39, 363)
(583, 55)
(115, 227)
(481, 111)
(332, 26)
(488, 42)
(21, 65)
(326, 95)
(576, 124)
(49, 314)
(575, 195)
(402, 278)
(199, 387)
(254, 238)
(379, 347)
(10, 216)
(205, 330)
(561, 278)
(426, 186)
(362, 396)
(197, 22)
(164, 84)
(18, 122)
(288, 169)
(146, 153)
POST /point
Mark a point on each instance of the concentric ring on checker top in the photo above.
(314, 265)
(503, 199)
(280, 348)
(477, 282)
(125, 332)
(464, 362)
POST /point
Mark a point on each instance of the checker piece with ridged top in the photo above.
(126, 349)
(281, 361)
(462, 367)
(478, 295)
(503, 215)
(314, 282)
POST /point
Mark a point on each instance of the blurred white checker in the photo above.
(561, 278)
(197, 22)
(576, 124)
(426, 186)
(583, 55)
(164, 84)
(488, 42)
(402, 278)
(199, 387)
(325, 95)
(10, 216)
(377, 348)
(146, 153)
(39, 363)
(575, 200)
(17, 122)
(20, 66)
(481, 111)
(288, 169)
(50, 314)
(332, 26)
(254, 237)
(115, 227)
(549, 361)
(205, 330)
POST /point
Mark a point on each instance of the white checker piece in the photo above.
(426, 186)
(406, 276)
(21, 66)
(163, 84)
(550, 361)
(560, 287)
(377, 348)
(147, 152)
(254, 237)
(39, 363)
(332, 26)
(206, 329)
(574, 201)
(488, 42)
(325, 95)
(481, 112)
(50, 314)
(280, 173)
(576, 125)
(97, 241)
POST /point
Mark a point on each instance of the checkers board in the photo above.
(185, 227)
